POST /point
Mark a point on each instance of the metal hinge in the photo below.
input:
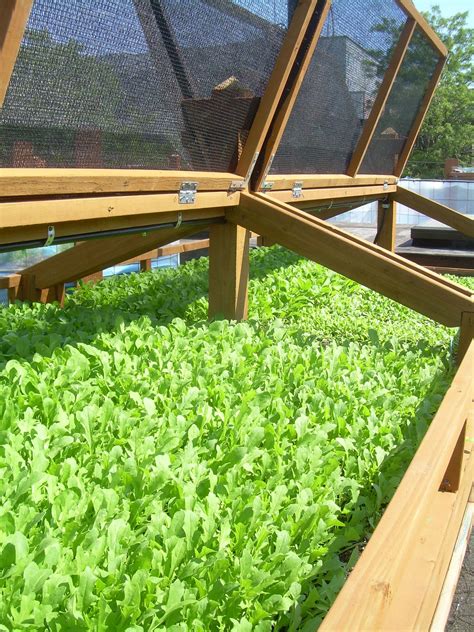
(385, 185)
(267, 186)
(187, 192)
(51, 236)
(297, 190)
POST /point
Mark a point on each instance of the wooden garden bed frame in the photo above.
(397, 582)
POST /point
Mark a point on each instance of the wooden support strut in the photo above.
(463, 223)
(355, 258)
(382, 96)
(92, 256)
(14, 16)
(292, 89)
(276, 84)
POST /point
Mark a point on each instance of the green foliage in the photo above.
(448, 129)
(169, 473)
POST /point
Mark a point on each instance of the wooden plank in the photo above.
(31, 212)
(463, 223)
(452, 476)
(420, 117)
(28, 182)
(81, 228)
(386, 225)
(355, 258)
(289, 96)
(276, 84)
(381, 99)
(315, 181)
(14, 16)
(410, 10)
(228, 271)
(397, 581)
(95, 255)
(443, 608)
(336, 193)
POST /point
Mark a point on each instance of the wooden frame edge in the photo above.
(276, 84)
(14, 16)
(409, 8)
(383, 94)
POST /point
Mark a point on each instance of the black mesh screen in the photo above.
(162, 84)
(402, 107)
(340, 86)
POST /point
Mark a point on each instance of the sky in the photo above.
(448, 7)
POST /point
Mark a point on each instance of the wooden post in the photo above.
(386, 224)
(452, 477)
(228, 271)
(466, 334)
(145, 265)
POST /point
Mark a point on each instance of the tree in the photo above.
(448, 129)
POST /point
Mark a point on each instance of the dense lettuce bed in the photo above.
(165, 473)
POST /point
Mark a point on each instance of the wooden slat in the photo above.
(398, 579)
(92, 256)
(276, 84)
(13, 19)
(289, 97)
(29, 182)
(410, 9)
(337, 193)
(420, 117)
(77, 228)
(386, 224)
(171, 249)
(315, 181)
(381, 98)
(355, 258)
(441, 213)
(228, 271)
(31, 212)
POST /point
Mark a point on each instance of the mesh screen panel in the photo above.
(402, 107)
(340, 86)
(139, 83)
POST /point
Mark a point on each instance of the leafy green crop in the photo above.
(166, 473)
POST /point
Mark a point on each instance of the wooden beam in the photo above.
(95, 255)
(7, 282)
(386, 224)
(289, 96)
(338, 193)
(381, 98)
(315, 181)
(355, 258)
(409, 8)
(228, 271)
(420, 117)
(14, 16)
(171, 249)
(276, 84)
(441, 213)
(81, 228)
(28, 182)
(397, 581)
(31, 212)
